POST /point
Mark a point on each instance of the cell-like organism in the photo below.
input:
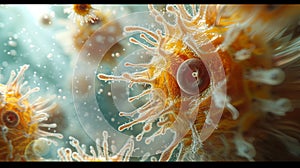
(87, 20)
(83, 13)
(24, 134)
(80, 30)
(258, 46)
(66, 154)
(77, 32)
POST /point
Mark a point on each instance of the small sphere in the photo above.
(46, 20)
(192, 76)
(41, 146)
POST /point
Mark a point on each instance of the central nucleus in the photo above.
(192, 76)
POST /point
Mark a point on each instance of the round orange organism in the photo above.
(87, 20)
(82, 9)
(82, 13)
(84, 31)
(257, 54)
(21, 122)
